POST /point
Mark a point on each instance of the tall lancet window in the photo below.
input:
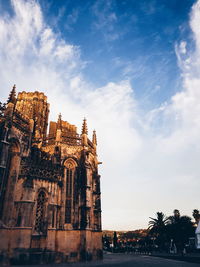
(40, 212)
(70, 165)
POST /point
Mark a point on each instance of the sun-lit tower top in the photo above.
(12, 95)
(35, 106)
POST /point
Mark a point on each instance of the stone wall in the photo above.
(19, 246)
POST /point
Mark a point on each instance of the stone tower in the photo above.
(50, 200)
(34, 106)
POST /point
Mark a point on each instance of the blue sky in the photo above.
(132, 67)
(126, 39)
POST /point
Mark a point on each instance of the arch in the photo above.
(43, 189)
(70, 163)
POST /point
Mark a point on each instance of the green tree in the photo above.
(180, 228)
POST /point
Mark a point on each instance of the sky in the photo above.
(132, 68)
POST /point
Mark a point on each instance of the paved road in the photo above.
(124, 260)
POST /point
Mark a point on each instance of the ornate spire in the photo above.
(84, 127)
(59, 123)
(12, 95)
(94, 138)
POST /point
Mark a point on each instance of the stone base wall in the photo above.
(19, 246)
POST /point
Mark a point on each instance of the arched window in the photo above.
(40, 212)
(70, 165)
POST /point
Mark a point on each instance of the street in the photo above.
(127, 260)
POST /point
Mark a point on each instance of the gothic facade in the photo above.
(50, 200)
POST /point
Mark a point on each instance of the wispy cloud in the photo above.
(55, 19)
(130, 69)
(106, 19)
(71, 19)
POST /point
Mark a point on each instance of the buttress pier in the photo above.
(50, 199)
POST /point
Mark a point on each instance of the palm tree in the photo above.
(158, 223)
(157, 228)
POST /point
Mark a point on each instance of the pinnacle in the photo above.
(94, 138)
(84, 127)
(59, 116)
(59, 121)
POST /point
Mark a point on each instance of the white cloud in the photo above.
(194, 23)
(150, 162)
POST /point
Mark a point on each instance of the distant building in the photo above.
(50, 200)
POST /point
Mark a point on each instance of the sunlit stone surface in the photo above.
(50, 204)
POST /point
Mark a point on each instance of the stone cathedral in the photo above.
(50, 200)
